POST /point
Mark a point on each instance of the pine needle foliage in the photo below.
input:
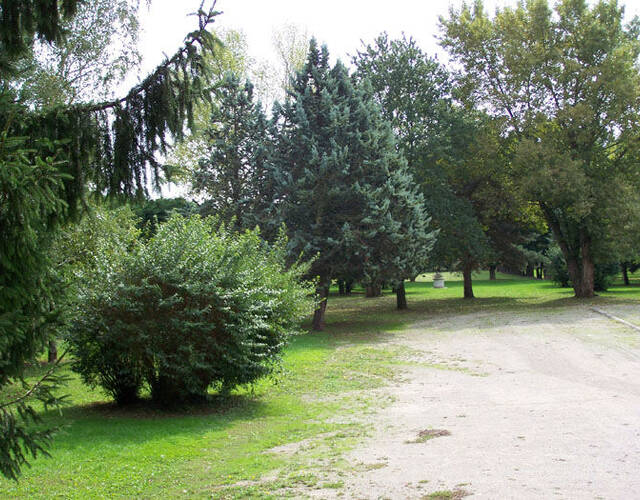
(21, 20)
(47, 160)
(338, 176)
(113, 146)
(233, 174)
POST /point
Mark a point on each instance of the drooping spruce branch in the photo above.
(113, 146)
(20, 20)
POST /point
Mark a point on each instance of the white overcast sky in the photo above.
(341, 24)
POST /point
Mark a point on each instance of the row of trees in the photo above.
(564, 87)
(535, 133)
(326, 166)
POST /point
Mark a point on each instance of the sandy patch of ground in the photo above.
(555, 412)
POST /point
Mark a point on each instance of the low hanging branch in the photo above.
(111, 146)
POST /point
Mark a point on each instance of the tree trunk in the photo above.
(322, 291)
(373, 291)
(588, 272)
(492, 273)
(401, 296)
(341, 287)
(468, 286)
(53, 351)
(413, 279)
(348, 287)
(625, 273)
(582, 273)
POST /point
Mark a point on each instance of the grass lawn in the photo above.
(312, 411)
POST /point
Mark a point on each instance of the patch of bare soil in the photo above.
(427, 434)
(447, 495)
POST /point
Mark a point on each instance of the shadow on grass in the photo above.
(147, 409)
(104, 423)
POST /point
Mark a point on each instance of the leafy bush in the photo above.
(195, 306)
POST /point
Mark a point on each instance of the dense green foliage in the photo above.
(152, 212)
(28, 287)
(233, 175)
(47, 158)
(454, 154)
(565, 81)
(414, 93)
(29, 208)
(340, 185)
(195, 306)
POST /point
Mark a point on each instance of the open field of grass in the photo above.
(279, 436)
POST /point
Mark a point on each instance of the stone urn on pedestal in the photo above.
(438, 280)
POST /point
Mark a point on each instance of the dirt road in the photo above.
(536, 405)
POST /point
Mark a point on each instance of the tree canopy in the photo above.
(566, 82)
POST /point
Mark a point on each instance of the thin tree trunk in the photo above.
(530, 271)
(413, 279)
(53, 351)
(468, 286)
(401, 296)
(341, 287)
(322, 291)
(625, 273)
(348, 287)
(492, 273)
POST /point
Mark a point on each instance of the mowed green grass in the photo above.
(225, 450)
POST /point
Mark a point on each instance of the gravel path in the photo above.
(540, 405)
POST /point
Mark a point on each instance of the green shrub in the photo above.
(195, 306)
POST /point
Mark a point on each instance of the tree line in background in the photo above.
(524, 158)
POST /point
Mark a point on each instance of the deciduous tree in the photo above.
(566, 82)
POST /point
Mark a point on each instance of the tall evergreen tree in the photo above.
(47, 158)
(336, 172)
(233, 174)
